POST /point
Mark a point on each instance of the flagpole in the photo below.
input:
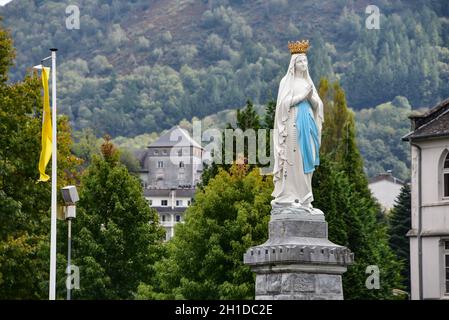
(52, 289)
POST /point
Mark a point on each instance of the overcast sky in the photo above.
(3, 2)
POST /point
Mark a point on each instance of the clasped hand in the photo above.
(301, 96)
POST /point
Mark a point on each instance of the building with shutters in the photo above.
(429, 236)
(171, 169)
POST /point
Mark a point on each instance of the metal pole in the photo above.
(52, 289)
(69, 254)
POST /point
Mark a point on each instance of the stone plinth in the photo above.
(298, 262)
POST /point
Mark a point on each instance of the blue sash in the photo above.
(307, 129)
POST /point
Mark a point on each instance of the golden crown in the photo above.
(299, 46)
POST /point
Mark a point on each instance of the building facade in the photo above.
(385, 188)
(171, 169)
(429, 236)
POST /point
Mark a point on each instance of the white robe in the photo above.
(291, 184)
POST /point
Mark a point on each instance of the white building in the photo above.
(429, 236)
(385, 188)
(170, 205)
(171, 169)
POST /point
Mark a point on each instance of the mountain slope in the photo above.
(142, 66)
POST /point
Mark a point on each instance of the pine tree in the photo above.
(268, 123)
(248, 117)
(320, 59)
(400, 224)
(341, 191)
(270, 110)
(116, 236)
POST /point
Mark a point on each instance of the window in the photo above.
(178, 218)
(156, 152)
(164, 152)
(164, 202)
(160, 164)
(178, 203)
(446, 177)
(180, 152)
(446, 265)
(181, 164)
(150, 202)
(163, 218)
(188, 202)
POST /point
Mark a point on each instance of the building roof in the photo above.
(167, 192)
(386, 177)
(175, 137)
(431, 124)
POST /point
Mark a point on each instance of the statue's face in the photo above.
(301, 63)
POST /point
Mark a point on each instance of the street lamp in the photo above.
(70, 196)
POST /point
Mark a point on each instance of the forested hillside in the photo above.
(378, 135)
(141, 66)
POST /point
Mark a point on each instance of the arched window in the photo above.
(181, 164)
(446, 177)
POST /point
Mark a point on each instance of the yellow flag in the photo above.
(46, 129)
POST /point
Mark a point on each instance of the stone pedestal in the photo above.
(298, 262)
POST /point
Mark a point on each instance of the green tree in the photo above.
(7, 54)
(116, 237)
(352, 223)
(341, 191)
(270, 110)
(86, 145)
(130, 161)
(248, 117)
(204, 258)
(407, 56)
(25, 204)
(378, 130)
(268, 123)
(400, 224)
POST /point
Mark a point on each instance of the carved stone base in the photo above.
(298, 282)
(298, 261)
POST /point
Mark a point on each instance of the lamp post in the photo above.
(70, 196)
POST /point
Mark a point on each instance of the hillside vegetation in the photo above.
(141, 66)
(378, 135)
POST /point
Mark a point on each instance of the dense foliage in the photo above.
(400, 223)
(379, 133)
(24, 203)
(341, 191)
(117, 237)
(141, 66)
(204, 258)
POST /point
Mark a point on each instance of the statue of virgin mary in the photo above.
(297, 133)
